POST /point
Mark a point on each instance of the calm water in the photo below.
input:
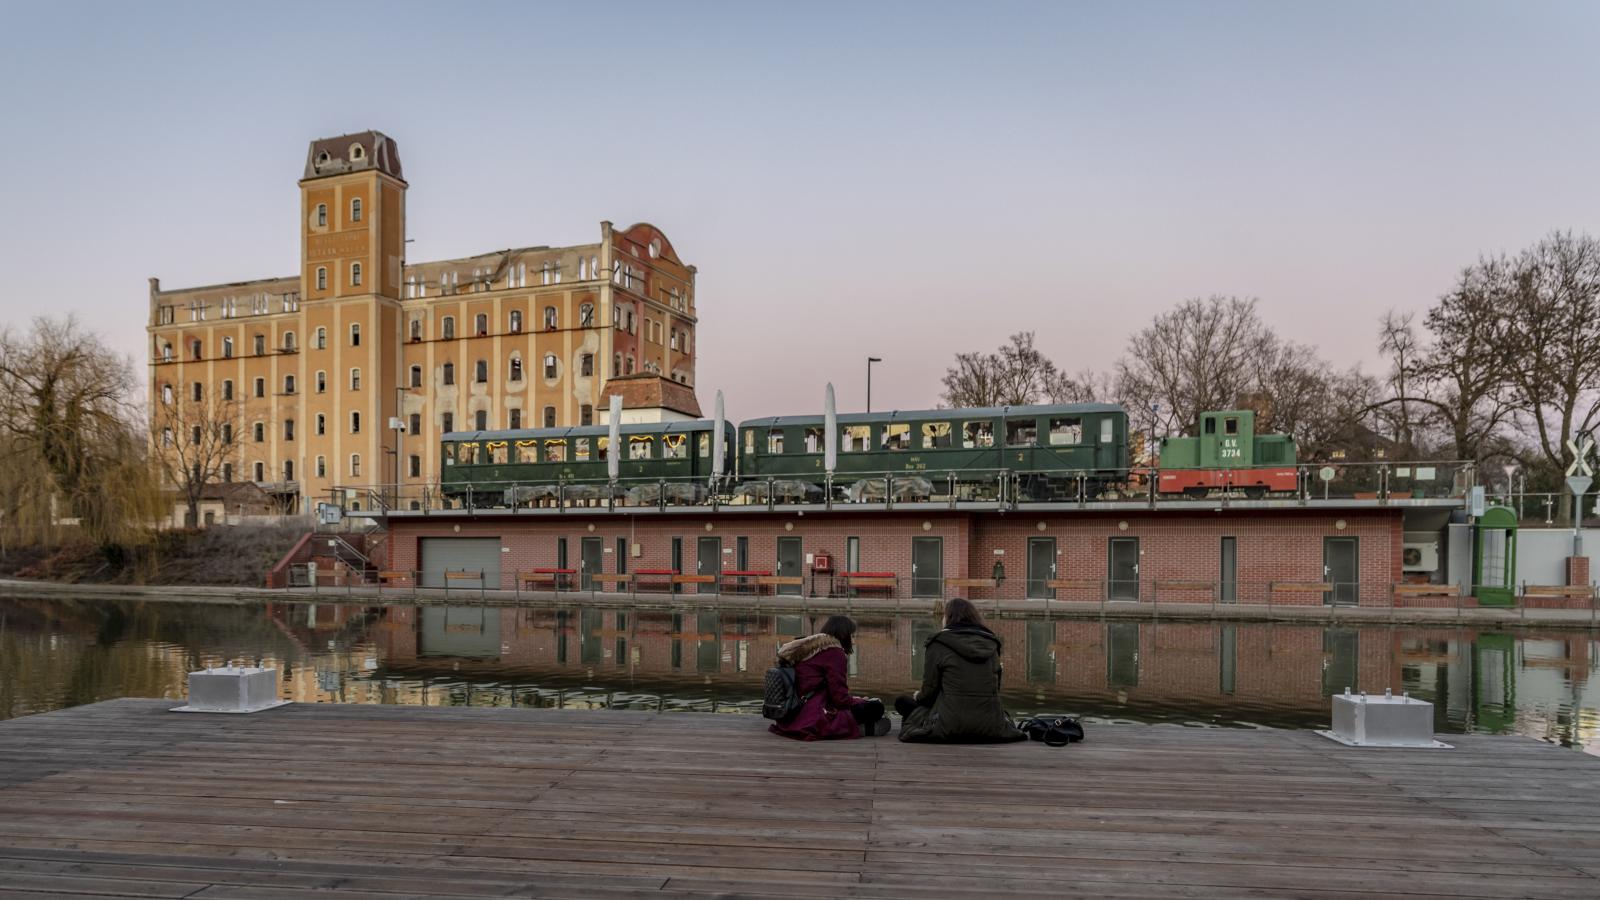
(57, 653)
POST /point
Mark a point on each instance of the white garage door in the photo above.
(471, 554)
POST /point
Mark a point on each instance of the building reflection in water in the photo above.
(59, 653)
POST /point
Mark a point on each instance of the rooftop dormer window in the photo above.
(357, 152)
(322, 160)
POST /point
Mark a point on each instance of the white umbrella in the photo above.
(716, 440)
(830, 432)
(614, 457)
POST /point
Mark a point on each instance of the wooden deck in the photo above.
(124, 798)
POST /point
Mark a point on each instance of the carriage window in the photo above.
(639, 446)
(1230, 425)
(774, 441)
(467, 453)
(527, 451)
(580, 450)
(936, 435)
(1066, 431)
(750, 441)
(555, 450)
(702, 445)
(897, 436)
(674, 446)
(498, 452)
(857, 438)
(600, 447)
(1105, 430)
(449, 454)
(814, 438)
(977, 434)
(1022, 434)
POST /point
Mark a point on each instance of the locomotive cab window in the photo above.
(555, 450)
(1066, 431)
(936, 436)
(1106, 429)
(639, 446)
(897, 436)
(674, 446)
(1230, 425)
(1022, 434)
(857, 438)
(977, 434)
(774, 441)
(1211, 426)
(580, 450)
(814, 439)
(527, 451)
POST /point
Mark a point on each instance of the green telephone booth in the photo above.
(1494, 557)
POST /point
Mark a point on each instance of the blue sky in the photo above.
(898, 180)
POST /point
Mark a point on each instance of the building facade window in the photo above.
(196, 391)
(416, 330)
(549, 417)
(166, 394)
(550, 320)
(586, 364)
(227, 432)
(447, 422)
(480, 324)
(322, 215)
(355, 274)
(322, 424)
(322, 382)
(258, 345)
(616, 365)
(259, 388)
(196, 349)
(586, 315)
(227, 348)
(260, 471)
(355, 421)
(259, 432)
(288, 429)
(415, 425)
(516, 419)
(480, 371)
(355, 379)
(288, 341)
(448, 327)
(355, 334)
(321, 340)
(415, 466)
(515, 321)
(227, 472)
(416, 376)
(481, 420)
(355, 465)
(288, 384)
(449, 373)
(355, 209)
(322, 278)
(227, 388)
(322, 467)
(194, 435)
(516, 368)
(550, 365)
(586, 415)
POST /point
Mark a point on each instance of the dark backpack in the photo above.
(782, 697)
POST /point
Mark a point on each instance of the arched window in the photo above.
(260, 471)
(355, 209)
(227, 348)
(166, 394)
(355, 274)
(355, 465)
(516, 368)
(258, 344)
(195, 348)
(594, 267)
(322, 382)
(355, 334)
(481, 420)
(628, 369)
(227, 388)
(355, 421)
(166, 351)
(586, 415)
(449, 373)
(549, 365)
(416, 376)
(586, 364)
(516, 321)
(322, 215)
(549, 417)
(227, 433)
(583, 268)
(416, 330)
(355, 378)
(547, 272)
(586, 315)
(322, 278)
(550, 318)
(196, 392)
(288, 340)
(448, 327)
(480, 371)
(258, 431)
(322, 467)
(616, 365)
(480, 324)
(288, 384)
(322, 424)
(322, 339)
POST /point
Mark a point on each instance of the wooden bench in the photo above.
(666, 576)
(1297, 587)
(693, 579)
(1564, 591)
(1411, 589)
(1184, 585)
(871, 581)
(970, 583)
(391, 577)
(464, 575)
(554, 576)
(620, 579)
(740, 580)
(780, 581)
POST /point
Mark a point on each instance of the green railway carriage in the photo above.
(1048, 447)
(524, 465)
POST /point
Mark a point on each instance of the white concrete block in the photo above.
(232, 689)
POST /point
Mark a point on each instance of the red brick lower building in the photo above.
(1136, 554)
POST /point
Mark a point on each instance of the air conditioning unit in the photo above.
(1422, 557)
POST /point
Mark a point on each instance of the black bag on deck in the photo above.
(781, 693)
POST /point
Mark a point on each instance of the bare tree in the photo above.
(1552, 338)
(70, 445)
(196, 444)
(1462, 377)
(1017, 374)
(1202, 355)
(1399, 344)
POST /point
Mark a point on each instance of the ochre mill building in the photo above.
(350, 369)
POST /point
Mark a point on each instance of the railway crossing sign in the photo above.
(1579, 484)
(1580, 448)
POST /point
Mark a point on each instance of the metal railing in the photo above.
(1382, 483)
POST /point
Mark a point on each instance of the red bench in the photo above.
(887, 582)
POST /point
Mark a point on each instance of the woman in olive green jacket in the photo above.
(960, 695)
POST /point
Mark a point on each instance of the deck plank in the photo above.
(124, 798)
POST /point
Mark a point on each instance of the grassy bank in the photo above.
(225, 556)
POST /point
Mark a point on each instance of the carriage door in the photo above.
(789, 564)
(1122, 569)
(1340, 564)
(708, 561)
(927, 567)
(1041, 568)
(589, 561)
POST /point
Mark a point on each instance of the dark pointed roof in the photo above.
(353, 153)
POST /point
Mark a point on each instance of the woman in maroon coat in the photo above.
(821, 671)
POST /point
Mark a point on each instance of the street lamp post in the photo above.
(870, 361)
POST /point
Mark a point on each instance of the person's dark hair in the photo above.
(960, 611)
(841, 629)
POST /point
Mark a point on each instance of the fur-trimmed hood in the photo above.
(799, 650)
